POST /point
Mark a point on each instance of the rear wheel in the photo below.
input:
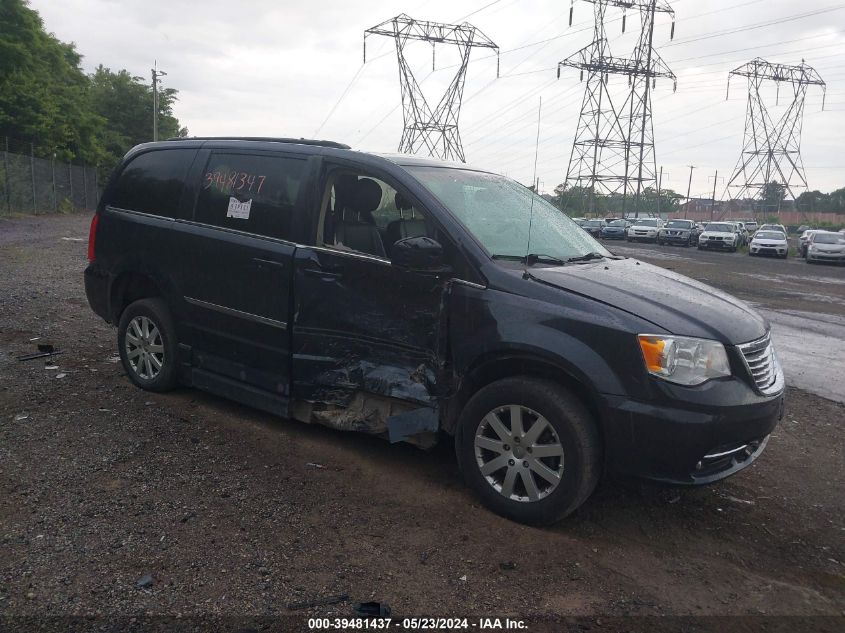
(146, 339)
(529, 449)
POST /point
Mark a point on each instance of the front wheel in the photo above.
(146, 339)
(529, 449)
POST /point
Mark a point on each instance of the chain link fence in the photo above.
(30, 184)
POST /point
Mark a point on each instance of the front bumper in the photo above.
(716, 244)
(613, 236)
(836, 258)
(688, 443)
(768, 250)
(676, 239)
(643, 236)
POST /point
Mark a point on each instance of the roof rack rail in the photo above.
(269, 139)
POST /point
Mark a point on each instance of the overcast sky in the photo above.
(278, 67)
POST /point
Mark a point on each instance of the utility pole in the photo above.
(689, 188)
(713, 206)
(771, 149)
(432, 130)
(613, 152)
(156, 74)
(659, 187)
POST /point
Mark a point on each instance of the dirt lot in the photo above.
(102, 484)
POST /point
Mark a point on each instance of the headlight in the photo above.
(683, 360)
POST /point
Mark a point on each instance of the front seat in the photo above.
(404, 227)
(357, 229)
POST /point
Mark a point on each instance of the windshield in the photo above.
(498, 211)
(646, 223)
(771, 227)
(720, 228)
(819, 238)
(617, 223)
(593, 223)
(770, 235)
(678, 224)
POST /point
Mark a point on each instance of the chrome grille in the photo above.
(763, 365)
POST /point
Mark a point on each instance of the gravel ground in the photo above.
(102, 484)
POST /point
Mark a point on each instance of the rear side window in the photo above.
(153, 182)
(250, 192)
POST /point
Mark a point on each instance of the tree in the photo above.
(46, 98)
(772, 194)
(44, 95)
(125, 103)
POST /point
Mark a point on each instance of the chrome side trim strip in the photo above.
(337, 251)
(470, 284)
(730, 452)
(239, 314)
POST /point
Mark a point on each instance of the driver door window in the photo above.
(366, 215)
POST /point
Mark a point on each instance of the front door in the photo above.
(365, 333)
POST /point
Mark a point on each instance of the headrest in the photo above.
(367, 196)
(402, 203)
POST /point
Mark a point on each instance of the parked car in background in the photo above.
(614, 230)
(803, 228)
(826, 246)
(744, 236)
(579, 221)
(769, 243)
(593, 227)
(773, 227)
(802, 241)
(721, 235)
(682, 232)
(645, 230)
(751, 226)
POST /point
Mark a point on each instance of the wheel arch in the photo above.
(130, 286)
(497, 366)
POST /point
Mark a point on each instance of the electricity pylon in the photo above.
(435, 131)
(771, 151)
(613, 152)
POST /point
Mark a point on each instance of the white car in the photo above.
(773, 227)
(721, 235)
(645, 230)
(769, 243)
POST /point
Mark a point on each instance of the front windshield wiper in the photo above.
(586, 258)
(533, 258)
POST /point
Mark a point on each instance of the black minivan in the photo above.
(415, 299)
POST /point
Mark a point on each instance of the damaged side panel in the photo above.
(366, 345)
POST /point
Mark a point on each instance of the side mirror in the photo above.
(420, 254)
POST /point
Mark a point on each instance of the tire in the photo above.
(153, 316)
(567, 426)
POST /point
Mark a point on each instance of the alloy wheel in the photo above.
(519, 453)
(144, 347)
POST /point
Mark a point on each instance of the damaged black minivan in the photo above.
(415, 299)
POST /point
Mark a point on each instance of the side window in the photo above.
(255, 193)
(367, 215)
(153, 182)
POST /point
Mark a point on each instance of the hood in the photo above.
(674, 303)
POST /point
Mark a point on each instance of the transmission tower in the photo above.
(433, 130)
(613, 151)
(771, 151)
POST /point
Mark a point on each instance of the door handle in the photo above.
(268, 263)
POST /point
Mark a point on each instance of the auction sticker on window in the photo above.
(239, 209)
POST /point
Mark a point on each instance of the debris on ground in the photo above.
(318, 602)
(144, 582)
(372, 609)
